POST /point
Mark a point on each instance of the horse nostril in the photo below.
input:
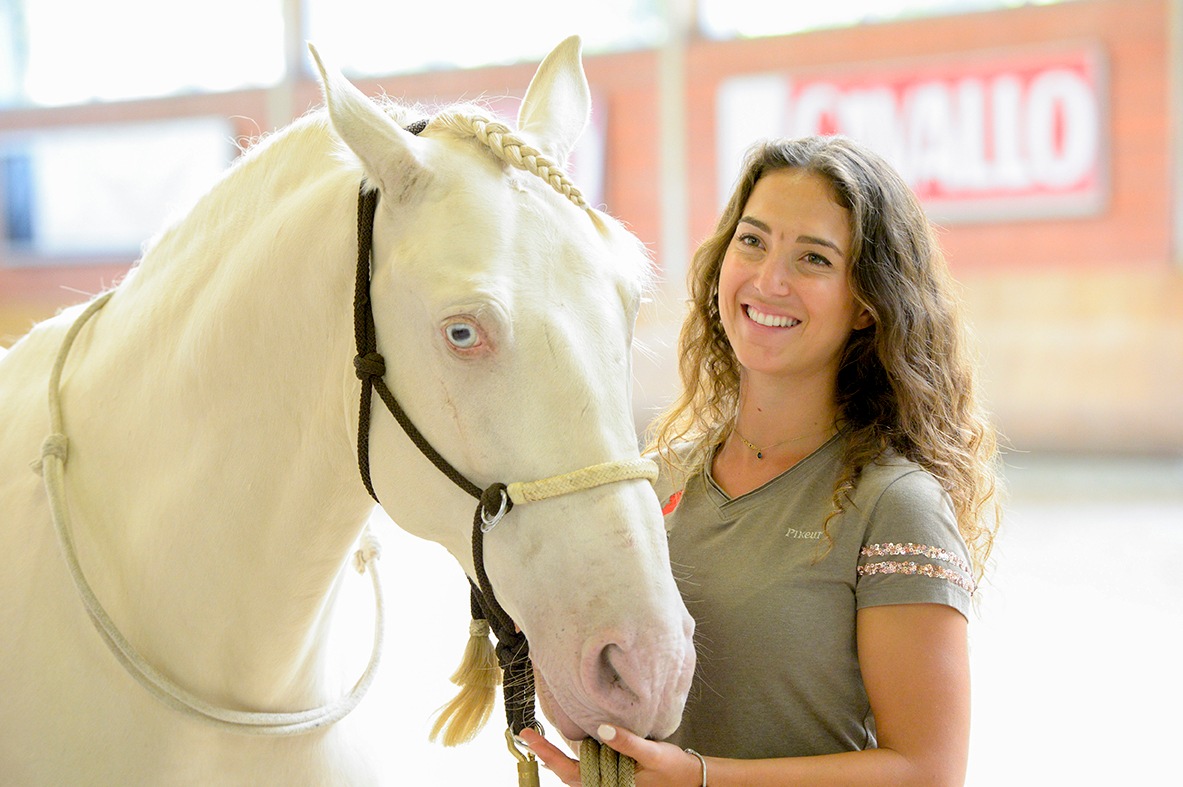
(611, 677)
(638, 678)
(611, 680)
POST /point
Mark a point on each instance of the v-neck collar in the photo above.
(724, 501)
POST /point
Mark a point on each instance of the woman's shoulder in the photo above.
(910, 531)
(892, 478)
(901, 501)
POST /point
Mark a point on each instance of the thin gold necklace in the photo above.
(760, 451)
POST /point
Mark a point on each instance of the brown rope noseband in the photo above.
(494, 502)
(512, 649)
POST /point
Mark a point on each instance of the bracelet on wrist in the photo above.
(702, 761)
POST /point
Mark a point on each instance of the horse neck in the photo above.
(221, 479)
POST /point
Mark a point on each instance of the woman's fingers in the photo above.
(552, 756)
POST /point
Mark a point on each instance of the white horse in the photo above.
(211, 411)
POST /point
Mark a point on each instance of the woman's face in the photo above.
(784, 296)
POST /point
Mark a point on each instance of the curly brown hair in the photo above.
(905, 384)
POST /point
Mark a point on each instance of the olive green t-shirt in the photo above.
(778, 672)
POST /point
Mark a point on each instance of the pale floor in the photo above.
(1075, 647)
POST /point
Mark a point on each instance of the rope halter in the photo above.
(497, 500)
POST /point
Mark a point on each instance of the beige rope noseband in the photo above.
(522, 492)
(52, 466)
(587, 478)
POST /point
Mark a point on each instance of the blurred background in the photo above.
(1045, 139)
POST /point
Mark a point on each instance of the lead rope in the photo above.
(603, 766)
(52, 466)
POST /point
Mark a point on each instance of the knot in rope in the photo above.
(144, 673)
(369, 365)
(55, 444)
(367, 552)
(517, 674)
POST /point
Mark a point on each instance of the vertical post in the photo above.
(1175, 85)
(281, 97)
(656, 374)
(671, 97)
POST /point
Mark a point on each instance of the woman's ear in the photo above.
(864, 319)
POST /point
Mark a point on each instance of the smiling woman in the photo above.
(825, 477)
(784, 299)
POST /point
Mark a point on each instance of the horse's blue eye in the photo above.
(462, 335)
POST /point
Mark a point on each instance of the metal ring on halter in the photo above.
(487, 522)
(536, 726)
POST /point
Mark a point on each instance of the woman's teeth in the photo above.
(770, 320)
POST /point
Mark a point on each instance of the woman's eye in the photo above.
(748, 240)
(817, 259)
(462, 335)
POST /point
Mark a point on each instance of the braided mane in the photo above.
(508, 147)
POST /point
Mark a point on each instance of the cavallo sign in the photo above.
(1003, 136)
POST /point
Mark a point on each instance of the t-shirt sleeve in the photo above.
(912, 551)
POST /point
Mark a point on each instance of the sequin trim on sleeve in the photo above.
(959, 578)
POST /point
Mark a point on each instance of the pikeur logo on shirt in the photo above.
(794, 533)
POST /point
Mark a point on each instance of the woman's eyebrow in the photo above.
(819, 242)
(755, 223)
(810, 239)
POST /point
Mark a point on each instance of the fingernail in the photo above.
(606, 732)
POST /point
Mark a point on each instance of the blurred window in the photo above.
(754, 18)
(364, 37)
(104, 190)
(56, 52)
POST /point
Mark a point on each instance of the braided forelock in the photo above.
(510, 148)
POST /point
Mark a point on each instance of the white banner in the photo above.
(1003, 136)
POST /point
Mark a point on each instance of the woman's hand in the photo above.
(658, 764)
(551, 756)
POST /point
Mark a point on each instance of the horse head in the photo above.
(504, 309)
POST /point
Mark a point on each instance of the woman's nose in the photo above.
(773, 277)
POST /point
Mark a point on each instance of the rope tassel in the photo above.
(478, 677)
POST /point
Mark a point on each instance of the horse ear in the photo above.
(557, 103)
(387, 152)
